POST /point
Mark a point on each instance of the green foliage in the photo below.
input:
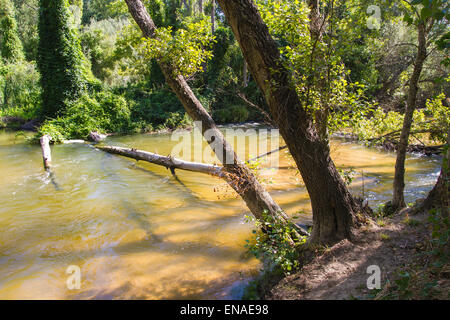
(64, 72)
(160, 108)
(19, 90)
(105, 113)
(431, 122)
(27, 16)
(231, 114)
(99, 43)
(185, 48)
(318, 73)
(347, 174)
(440, 235)
(11, 49)
(274, 245)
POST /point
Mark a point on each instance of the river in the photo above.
(137, 232)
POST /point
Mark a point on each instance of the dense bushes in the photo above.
(19, 90)
(231, 114)
(103, 112)
(158, 109)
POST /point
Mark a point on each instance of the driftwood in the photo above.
(168, 162)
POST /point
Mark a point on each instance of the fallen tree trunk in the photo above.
(168, 162)
(46, 152)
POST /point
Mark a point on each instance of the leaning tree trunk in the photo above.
(398, 200)
(439, 196)
(334, 209)
(240, 178)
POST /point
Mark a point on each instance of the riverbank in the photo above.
(406, 248)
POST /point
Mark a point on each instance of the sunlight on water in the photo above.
(138, 232)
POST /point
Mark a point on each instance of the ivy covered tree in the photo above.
(11, 48)
(64, 73)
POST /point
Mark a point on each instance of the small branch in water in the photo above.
(268, 153)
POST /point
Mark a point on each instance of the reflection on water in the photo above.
(136, 231)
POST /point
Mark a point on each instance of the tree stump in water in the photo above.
(46, 153)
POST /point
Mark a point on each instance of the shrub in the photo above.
(274, 245)
(232, 114)
(105, 112)
(20, 90)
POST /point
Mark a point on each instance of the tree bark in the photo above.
(244, 75)
(439, 196)
(334, 209)
(168, 162)
(213, 16)
(398, 200)
(244, 182)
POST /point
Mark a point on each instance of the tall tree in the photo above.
(11, 48)
(334, 209)
(60, 58)
(424, 20)
(238, 176)
(213, 16)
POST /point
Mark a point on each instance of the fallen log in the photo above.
(168, 162)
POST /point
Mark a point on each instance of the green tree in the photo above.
(64, 73)
(11, 48)
(425, 16)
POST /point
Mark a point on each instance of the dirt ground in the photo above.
(340, 272)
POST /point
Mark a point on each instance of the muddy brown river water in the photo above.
(137, 232)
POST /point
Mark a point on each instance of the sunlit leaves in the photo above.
(187, 48)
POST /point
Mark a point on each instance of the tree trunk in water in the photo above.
(46, 152)
(398, 200)
(245, 183)
(334, 209)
